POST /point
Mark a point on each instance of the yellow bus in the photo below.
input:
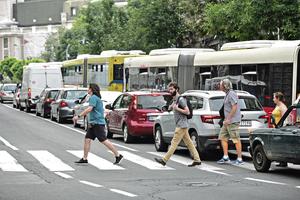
(105, 69)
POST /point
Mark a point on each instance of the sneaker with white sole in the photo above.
(223, 160)
(237, 162)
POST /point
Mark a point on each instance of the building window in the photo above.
(73, 11)
(5, 47)
(5, 43)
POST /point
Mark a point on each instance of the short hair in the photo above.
(174, 85)
(279, 96)
(227, 84)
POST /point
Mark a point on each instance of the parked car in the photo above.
(62, 106)
(281, 144)
(128, 113)
(204, 126)
(107, 97)
(6, 92)
(37, 77)
(43, 104)
(16, 96)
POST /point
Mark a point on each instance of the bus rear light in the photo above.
(209, 118)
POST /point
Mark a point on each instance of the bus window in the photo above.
(118, 72)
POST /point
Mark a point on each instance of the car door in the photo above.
(113, 114)
(55, 103)
(40, 101)
(285, 142)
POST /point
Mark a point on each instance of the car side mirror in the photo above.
(77, 101)
(164, 108)
(37, 97)
(109, 107)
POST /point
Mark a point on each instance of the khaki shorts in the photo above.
(230, 131)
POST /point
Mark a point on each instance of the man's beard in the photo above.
(173, 94)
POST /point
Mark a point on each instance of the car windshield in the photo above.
(74, 94)
(52, 94)
(153, 101)
(245, 103)
(9, 87)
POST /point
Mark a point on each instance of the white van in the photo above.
(36, 77)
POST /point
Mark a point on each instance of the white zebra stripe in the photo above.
(50, 161)
(8, 163)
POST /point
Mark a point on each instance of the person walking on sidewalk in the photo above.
(181, 110)
(231, 123)
(96, 126)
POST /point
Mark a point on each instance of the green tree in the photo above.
(5, 67)
(236, 20)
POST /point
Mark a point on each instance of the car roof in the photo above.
(149, 93)
(214, 93)
(70, 89)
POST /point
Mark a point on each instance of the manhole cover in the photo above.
(201, 184)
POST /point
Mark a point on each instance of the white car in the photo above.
(204, 127)
(107, 97)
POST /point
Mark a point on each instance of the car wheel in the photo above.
(14, 105)
(127, 137)
(59, 119)
(21, 108)
(43, 113)
(195, 139)
(1, 100)
(109, 134)
(260, 160)
(27, 109)
(159, 143)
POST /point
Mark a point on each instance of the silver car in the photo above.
(204, 127)
(108, 97)
(7, 92)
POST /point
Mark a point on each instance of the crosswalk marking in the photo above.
(186, 161)
(8, 144)
(97, 161)
(8, 163)
(143, 161)
(50, 161)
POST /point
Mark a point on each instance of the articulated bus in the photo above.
(260, 67)
(105, 69)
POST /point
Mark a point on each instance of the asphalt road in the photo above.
(37, 162)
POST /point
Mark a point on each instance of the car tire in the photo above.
(14, 106)
(260, 160)
(1, 100)
(59, 119)
(126, 135)
(195, 139)
(109, 133)
(159, 142)
(21, 108)
(27, 108)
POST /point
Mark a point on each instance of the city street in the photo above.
(37, 162)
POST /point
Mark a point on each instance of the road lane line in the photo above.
(143, 161)
(66, 176)
(297, 186)
(8, 144)
(8, 163)
(97, 161)
(50, 161)
(123, 192)
(186, 161)
(265, 181)
(91, 184)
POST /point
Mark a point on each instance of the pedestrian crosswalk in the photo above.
(55, 164)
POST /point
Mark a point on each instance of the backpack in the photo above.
(189, 105)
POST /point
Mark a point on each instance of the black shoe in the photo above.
(160, 161)
(194, 164)
(282, 164)
(81, 161)
(118, 159)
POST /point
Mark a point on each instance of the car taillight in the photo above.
(209, 118)
(265, 117)
(2, 93)
(29, 93)
(134, 106)
(63, 104)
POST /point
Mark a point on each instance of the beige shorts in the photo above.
(230, 131)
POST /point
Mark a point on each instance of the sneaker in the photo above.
(160, 161)
(82, 161)
(237, 162)
(118, 159)
(223, 160)
(194, 163)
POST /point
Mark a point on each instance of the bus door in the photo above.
(185, 71)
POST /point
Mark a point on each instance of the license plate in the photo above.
(152, 118)
(246, 123)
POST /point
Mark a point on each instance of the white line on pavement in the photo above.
(265, 181)
(186, 161)
(50, 161)
(143, 161)
(123, 192)
(8, 144)
(97, 161)
(297, 186)
(90, 183)
(8, 163)
(66, 176)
